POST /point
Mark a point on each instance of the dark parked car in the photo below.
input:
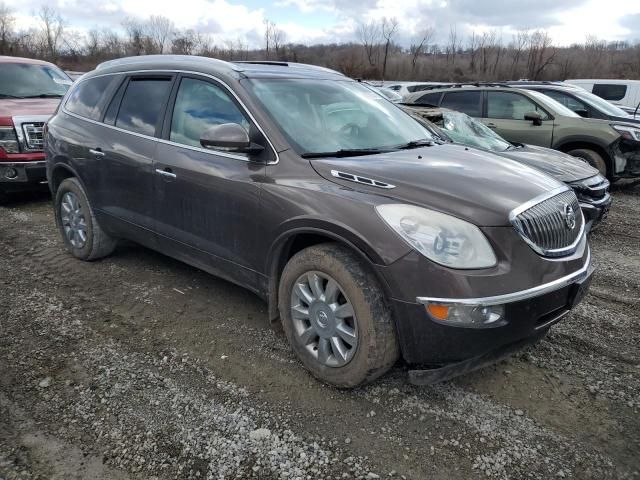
(592, 189)
(527, 116)
(30, 91)
(367, 237)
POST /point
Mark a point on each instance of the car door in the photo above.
(207, 202)
(127, 148)
(505, 114)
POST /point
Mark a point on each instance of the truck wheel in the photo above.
(592, 158)
(335, 316)
(80, 230)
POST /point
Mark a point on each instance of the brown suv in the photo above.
(368, 238)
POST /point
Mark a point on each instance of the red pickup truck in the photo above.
(30, 91)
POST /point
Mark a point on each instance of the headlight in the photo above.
(9, 140)
(441, 238)
(627, 132)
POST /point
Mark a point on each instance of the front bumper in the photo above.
(16, 176)
(595, 212)
(528, 313)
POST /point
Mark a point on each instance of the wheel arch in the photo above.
(302, 236)
(587, 143)
(60, 172)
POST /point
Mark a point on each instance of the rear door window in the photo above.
(88, 95)
(610, 91)
(511, 106)
(430, 99)
(143, 104)
(465, 102)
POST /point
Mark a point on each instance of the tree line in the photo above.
(375, 54)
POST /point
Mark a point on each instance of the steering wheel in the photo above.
(350, 129)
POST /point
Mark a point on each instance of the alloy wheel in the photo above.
(323, 318)
(73, 220)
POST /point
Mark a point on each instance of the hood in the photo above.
(557, 164)
(10, 107)
(473, 185)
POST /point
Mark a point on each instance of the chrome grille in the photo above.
(34, 135)
(545, 224)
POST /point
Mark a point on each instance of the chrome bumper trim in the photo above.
(516, 296)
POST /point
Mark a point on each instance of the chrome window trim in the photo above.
(516, 296)
(169, 142)
(558, 252)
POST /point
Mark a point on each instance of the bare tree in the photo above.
(7, 22)
(389, 27)
(541, 54)
(52, 27)
(159, 30)
(419, 47)
(453, 45)
(369, 36)
(186, 43)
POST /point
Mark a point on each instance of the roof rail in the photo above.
(142, 59)
(302, 66)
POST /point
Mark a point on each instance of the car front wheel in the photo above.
(335, 316)
(592, 158)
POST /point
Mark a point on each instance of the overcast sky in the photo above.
(316, 21)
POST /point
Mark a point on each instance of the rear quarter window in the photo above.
(610, 91)
(87, 96)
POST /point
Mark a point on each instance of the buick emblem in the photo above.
(569, 216)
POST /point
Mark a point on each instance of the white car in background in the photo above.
(405, 88)
(624, 93)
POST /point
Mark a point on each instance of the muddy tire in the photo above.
(592, 158)
(335, 316)
(82, 235)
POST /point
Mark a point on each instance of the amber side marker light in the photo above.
(441, 312)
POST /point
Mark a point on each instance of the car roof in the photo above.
(219, 68)
(30, 61)
(460, 87)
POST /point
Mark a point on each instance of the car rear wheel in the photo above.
(592, 158)
(335, 316)
(81, 233)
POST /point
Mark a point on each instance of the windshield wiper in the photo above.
(45, 95)
(416, 144)
(6, 95)
(345, 152)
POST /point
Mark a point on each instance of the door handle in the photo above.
(492, 125)
(166, 172)
(96, 152)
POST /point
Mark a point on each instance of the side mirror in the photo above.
(229, 137)
(582, 112)
(535, 118)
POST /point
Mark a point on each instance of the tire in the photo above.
(97, 243)
(592, 158)
(376, 348)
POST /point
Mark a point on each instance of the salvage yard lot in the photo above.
(138, 366)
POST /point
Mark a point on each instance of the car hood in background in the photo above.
(557, 164)
(11, 107)
(471, 184)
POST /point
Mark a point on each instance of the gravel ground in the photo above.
(140, 367)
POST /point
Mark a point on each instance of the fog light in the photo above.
(474, 316)
(10, 173)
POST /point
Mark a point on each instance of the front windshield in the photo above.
(600, 103)
(463, 129)
(552, 104)
(23, 80)
(320, 116)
